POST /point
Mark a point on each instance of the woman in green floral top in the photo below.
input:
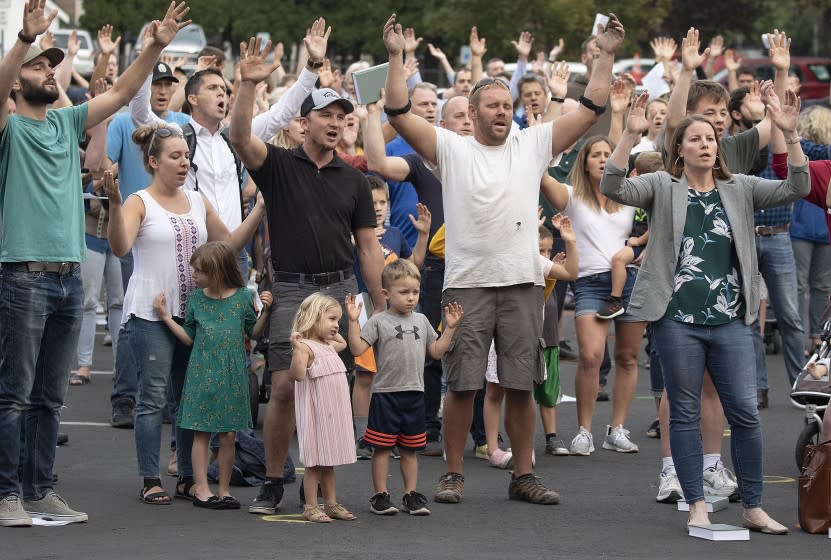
(699, 284)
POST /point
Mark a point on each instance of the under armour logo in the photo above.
(401, 332)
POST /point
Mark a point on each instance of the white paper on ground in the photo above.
(567, 398)
(48, 523)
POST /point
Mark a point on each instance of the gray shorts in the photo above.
(287, 299)
(511, 316)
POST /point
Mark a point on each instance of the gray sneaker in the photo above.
(52, 507)
(12, 513)
(556, 446)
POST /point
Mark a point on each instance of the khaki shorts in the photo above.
(287, 299)
(512, 317)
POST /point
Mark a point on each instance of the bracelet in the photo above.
(558, 99)
(23, 38)
(314, 65)
(589, 104)
(795, 140)
(395, 112)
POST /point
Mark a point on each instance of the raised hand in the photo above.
(317, 39)
(149, 31)
(690, 56)
(716, 46)
(663, 48)
(436, 52)
(558, 79)
(531, 118)
(267, 298)
(754, 102)
(784, 113)
(411, 66)
(538, 66)
(619, 96)
(422, 224)
(73, 45)
(780, 50)
(559, 258)
(110, 186)
(106, 44)
(523, 45)
(101, 86)
(353, 310)
(279, 50)
(47, 41)
(477, 45)
(411, 43)
(540, 217)
(731, 61)
(325, 75)
(453, 313)
(35, 20)
(393, 36)
(636, 122)
(160, 306)
(563, 224)
(252, 64)
(207, 61)
(610, 39)
(556, 50)
(173, 21)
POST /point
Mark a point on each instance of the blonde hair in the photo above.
(310, 311)
(219, 264)
(579, 177)
(815, 124)
(398, 269)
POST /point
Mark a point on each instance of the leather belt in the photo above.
(766, 231)
(43, 266)
(319, 279)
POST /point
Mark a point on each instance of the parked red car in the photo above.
(814, 73)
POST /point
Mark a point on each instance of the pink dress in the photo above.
(323, 410)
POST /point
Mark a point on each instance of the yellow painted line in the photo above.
(299, 470)
(286, 518)
(773, 479)
(727, 432)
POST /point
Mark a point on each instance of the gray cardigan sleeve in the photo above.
(771, 193)
(635, 191)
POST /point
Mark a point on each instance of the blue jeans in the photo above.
(41, 314)
(656, 374)
(778, 268)
(158, 355)
(100, 267)
(726, 351)
(125, 384)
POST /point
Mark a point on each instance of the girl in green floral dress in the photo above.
(215, 396)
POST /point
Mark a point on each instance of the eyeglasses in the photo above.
(162, 132)
(487, 82)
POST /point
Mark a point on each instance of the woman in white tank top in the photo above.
(163, 224)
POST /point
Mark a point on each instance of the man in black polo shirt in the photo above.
(316, 204)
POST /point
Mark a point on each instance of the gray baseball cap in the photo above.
(54, 55)
(324, 97)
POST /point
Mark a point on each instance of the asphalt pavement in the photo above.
(607, 510)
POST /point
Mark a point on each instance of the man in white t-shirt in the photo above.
(490, 186)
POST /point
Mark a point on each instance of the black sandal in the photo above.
(183, 488)
(160, 498)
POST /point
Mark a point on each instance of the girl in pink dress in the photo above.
(321, 403)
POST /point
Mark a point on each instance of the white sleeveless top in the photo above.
(161, 257)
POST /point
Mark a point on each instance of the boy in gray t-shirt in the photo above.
(400, 338)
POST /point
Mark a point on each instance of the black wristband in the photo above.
(395, 112)
(589, 104)
(25, 39)
(314, 65)
(558, 99)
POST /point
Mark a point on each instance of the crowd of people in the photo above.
(423, 242)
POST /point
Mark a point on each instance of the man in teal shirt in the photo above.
(41, 296)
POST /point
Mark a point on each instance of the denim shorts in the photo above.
(591, 292)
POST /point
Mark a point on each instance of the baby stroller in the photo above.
(812, 395)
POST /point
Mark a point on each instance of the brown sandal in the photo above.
(315, 514)
(337, 511)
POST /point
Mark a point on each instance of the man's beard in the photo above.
(38, 96)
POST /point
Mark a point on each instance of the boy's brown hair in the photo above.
(398, 269)
(648, 162)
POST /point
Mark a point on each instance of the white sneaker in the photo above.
(617, 439)
(583, 443)
(720, 481)
(54, 508)
(669, 488)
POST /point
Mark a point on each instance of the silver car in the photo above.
(187, 44)
(85, 59)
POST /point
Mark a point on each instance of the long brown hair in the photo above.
(579, 177)
(676, 162)
(150, 143)
(219, 264)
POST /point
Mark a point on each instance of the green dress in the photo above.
(215, 396)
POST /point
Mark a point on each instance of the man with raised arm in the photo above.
(490, 187)
(314, 201)
(43, 244)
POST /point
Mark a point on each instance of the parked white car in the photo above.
(187, 44)
(85, 59)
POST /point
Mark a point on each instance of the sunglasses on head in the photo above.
(486, 82)
(162, 132)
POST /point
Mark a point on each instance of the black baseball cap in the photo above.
(163, 72)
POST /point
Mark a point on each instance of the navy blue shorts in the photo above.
(637, 250)
(396, 419)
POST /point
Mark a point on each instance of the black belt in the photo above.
(319, 279)
(43, 266)
(766, 231)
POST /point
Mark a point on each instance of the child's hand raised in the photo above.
(267, 300)
(160, 305)
(422, 224)
(453, 313)
(563, 224)
(559, 258)
(353, 310)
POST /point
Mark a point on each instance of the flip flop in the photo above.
(76, 379)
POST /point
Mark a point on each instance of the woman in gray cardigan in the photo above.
(699, 284)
